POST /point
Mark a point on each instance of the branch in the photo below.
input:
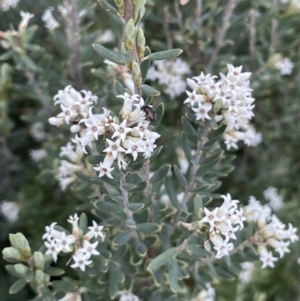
(222, 32)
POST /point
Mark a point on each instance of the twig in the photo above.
(166, 27)
(198, 17)
(194, 168)
(222, 30)
(252, 42)
(127, 211)
(73, 33)
(274, 27)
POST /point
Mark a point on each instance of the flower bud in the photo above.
(137, 76)
(21, 268)
(138, 8)
(12, 253)
(140, 41)
(75, 128)
(120, 7)
(39, 260)
(130, 35)
(56, 121)
(20, 242)
(39, 276)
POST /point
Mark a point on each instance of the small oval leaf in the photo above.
(163, 55)
(148, 227)
(17, 286)
(122, 238)
(160, 173)
(149, 91)
(161, 259)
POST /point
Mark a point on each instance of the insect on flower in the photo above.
(149, 112)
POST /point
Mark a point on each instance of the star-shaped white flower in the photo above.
(267, 259)
(202, 111)
(210, 216)
(81, 260)
(114, 147)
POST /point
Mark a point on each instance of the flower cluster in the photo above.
(66, 170)
(229, 100)
(206, 295)
(224, 220)
(74, 106)
(275, 200)
(128, 136)
(10, 210)
(78, 243)
(7, 4)
(271, 232)
(169, 73)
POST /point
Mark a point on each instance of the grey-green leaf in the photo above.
(163, 55)
(122, 238)
(148, 227)
(160, 173)
(145, 64)
(159, 111)
(180, 177)
(198, 206)
(64, 285)
(189, 129)
(17, 286)
(53, 271)
(83, 222)
(136, 207)
(161, 259)
(107, 7)
(120, 59)
(149, 91)
(173, 274)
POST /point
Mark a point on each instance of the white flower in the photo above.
(104, 170)
(37, 131)
(25, 19)
(246, 272)
(285, 66)
(49, 20)
(37, 154)
(267, 259)
(127, 296)
(96, 230)
(7, 4)
(90, 248)
(73, 296)
(65, 242)
(206, 295)
(121, 130)
(53, 248)
(210, 217)
(114, 147)
(81, 260)
(73, 220)
(202, 111)
(10, 210)
(275, 200)
(51, 233)
(223, 249)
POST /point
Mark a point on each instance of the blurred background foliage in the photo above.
(254, 35)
